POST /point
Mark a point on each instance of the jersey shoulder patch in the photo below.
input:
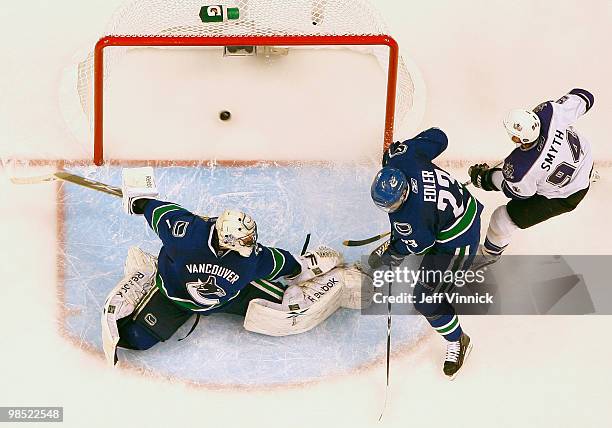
(397, 149)
(519, 162)
(179, 228)
(544, 112)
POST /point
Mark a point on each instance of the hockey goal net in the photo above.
(318, 24)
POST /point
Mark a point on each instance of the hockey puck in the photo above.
(225, 115)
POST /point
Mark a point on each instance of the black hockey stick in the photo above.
(71, 178)
(375, 262)
(305, 246)
(378, 252)
(388, 353)
(360, 242)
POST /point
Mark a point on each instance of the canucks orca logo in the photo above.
(180, 229)
(403, 228)
(397, 149)
(204, 292)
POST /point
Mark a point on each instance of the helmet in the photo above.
(389, 189)
(236, 231)
(523, 124)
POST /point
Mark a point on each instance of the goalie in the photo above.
(209, 265)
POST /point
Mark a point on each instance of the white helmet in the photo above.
(523, 124)
(237, 231)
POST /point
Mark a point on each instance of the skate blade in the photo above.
(467, 354)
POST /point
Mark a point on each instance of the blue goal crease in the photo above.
(333, 204)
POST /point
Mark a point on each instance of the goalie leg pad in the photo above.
(138, 260)
(139, 269)
(307, 305)
(120, 303)
(304, 307)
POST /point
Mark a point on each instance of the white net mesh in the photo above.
(257, 18)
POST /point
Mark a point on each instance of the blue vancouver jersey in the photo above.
(197, 277)
(439, 211)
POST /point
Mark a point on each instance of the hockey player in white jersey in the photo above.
(548, 174)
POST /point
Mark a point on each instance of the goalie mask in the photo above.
(236, 231)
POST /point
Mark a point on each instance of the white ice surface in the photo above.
(524, 371)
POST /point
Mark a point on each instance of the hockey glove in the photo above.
(394, 148)
(392, 258)
(385, 255)
(482, 176)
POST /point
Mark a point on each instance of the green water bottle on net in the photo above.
(218, 13)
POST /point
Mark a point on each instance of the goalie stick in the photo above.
(305, 246)
(71, 178)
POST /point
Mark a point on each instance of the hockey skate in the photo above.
(456, 354)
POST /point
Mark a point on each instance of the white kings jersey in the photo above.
(560, 162)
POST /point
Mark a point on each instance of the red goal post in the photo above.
(167, 41)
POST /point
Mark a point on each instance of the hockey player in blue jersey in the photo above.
(433, 215)
(205, 265)
(547, 175)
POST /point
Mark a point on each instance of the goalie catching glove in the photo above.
(137, 184)
(315, 263)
